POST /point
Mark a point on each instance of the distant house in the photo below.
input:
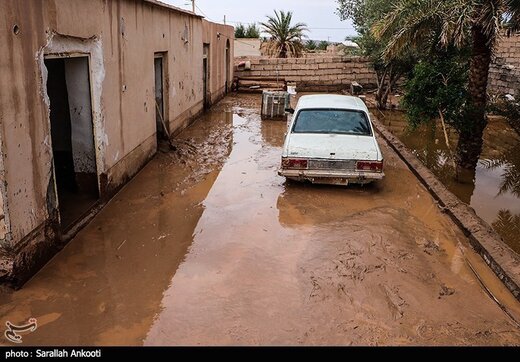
(350, 44)
(342, 48)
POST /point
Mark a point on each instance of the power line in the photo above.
(203, 13)
(195, 6)
(256, 23)
(310, 28)
(346, 28)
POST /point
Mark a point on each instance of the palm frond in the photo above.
(489, 19)
(513, 15)
(286, 38)
(414, 23)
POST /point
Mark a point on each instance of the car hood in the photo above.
(333, 146)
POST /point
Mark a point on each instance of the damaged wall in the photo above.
(120, 38)
(3, 226)
(504, 73)
(323, 73)
(4, 221)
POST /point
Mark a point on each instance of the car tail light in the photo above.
(294, 163)
(376, 166)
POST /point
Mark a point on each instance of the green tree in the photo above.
(322, 45)
(310, 45)
(240, 31)
(286, 38)
(364, 14)
(437, 88)
(252, 31)
(425, 23)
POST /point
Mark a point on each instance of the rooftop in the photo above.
(331, 101)
(171, 7)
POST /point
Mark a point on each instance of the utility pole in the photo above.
(224, 19)
(193, 5)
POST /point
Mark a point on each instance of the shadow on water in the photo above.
(493, 189)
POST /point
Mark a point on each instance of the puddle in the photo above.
(493, 190)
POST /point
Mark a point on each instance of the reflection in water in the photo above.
(273, 132)
(508, 226)
(493, 189)
(509, 162)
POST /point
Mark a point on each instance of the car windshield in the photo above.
(341, 121)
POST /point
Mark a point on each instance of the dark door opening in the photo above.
(68, 88)
(160, 123)
(228, 64)
(205, 75)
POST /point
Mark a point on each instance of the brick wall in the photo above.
(327, 73)
(504, 74)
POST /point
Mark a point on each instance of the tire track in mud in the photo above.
(381, 277)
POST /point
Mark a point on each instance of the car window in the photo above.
(341, 121)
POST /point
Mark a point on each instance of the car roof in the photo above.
(331, 101)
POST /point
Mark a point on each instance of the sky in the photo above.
(319, 15)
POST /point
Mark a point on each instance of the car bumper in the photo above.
(337, 177)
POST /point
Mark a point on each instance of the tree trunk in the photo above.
(381, 90)
(283, 51)
(470, 142)
(392, 80)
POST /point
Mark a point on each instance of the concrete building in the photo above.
(87, 89)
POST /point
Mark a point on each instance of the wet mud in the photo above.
(208, 245)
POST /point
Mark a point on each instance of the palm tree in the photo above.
(322, 45)
(310, 45)
(286, 39)
(415, 23)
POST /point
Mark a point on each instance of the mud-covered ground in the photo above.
(208, 245)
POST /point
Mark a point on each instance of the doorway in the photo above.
(228, 61)
(72, 135)
(160, 123)
(205, 75)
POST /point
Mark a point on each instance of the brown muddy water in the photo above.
(209, 246)
(493, 190)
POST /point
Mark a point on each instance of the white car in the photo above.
(331, 140)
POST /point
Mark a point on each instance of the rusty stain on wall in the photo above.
(4, 215)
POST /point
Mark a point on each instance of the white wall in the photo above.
(245, 47)
(78, 88)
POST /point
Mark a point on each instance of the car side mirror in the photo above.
(289, 110)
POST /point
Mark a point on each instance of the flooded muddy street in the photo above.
(208, 245)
